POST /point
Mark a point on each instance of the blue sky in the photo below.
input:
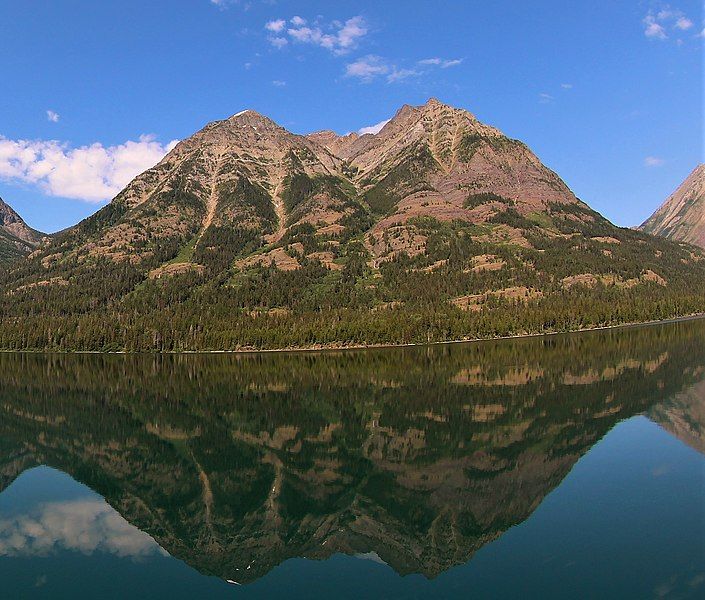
(608, 94)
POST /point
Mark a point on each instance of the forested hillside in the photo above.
(247, 236)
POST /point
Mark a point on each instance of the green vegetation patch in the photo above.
(474, 200)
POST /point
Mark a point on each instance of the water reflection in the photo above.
(82, 525)
(414, 457)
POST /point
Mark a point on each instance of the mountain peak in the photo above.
(435, 214)
(16, 237)
(436, 103)
(248, 115)
(12, 223)
(682, 216)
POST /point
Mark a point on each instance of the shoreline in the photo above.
(360, 347)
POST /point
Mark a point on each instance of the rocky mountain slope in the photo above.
(682, 216)
(683, 416)
(17, 239)
(289, 240)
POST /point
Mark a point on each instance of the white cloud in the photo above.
(683, 23)
(400, 74)
(278, 83)
(337, 37)
(545, 98)
(653, 161)
(91, 173)
(367, 68)
(440, 62)
(85, 526)
(278, 42)
(276, 26)
(657, 22)
(653, 29)
(350, 32)
(373, 128)
(370, 67)
(53, 116)
(567, 86)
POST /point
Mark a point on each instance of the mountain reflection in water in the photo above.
(416, 457)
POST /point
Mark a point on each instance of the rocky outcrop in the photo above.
(682, 215)
(16, 237)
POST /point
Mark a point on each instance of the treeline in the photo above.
(186, 323)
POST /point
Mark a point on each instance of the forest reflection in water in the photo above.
(417, 457)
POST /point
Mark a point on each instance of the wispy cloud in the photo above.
(223, 4)
(367, 68)
(371, 67)
(278, 83)
(53, 116)
(90, 173)
(653, 29)
(401, 74)
(567, 86)
(373, 128)
(658, 22)
(338, 37)
(654, 161)
(545, 98)
(276, 26)
(278, 42)
(683, 23)
(441, 62)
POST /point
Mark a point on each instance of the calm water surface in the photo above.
(571, 466)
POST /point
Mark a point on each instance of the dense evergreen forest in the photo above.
(402, 302)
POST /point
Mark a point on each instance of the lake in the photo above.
(564, 466)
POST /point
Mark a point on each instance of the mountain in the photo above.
(17, 239)
(683, 416)
(235, 464)
(247, 236)
(682, 216)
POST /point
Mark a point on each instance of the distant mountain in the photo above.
(682, 216)
(17, 239)
(247, 235)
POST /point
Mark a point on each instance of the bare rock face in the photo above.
(13, 224)
(247, 172)
(682, 216)
(338, 145)
(16, 237)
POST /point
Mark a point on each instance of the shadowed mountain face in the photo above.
(683, 415)
(420, 455)
(297, 241)
(682, 215)
(17, 239)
